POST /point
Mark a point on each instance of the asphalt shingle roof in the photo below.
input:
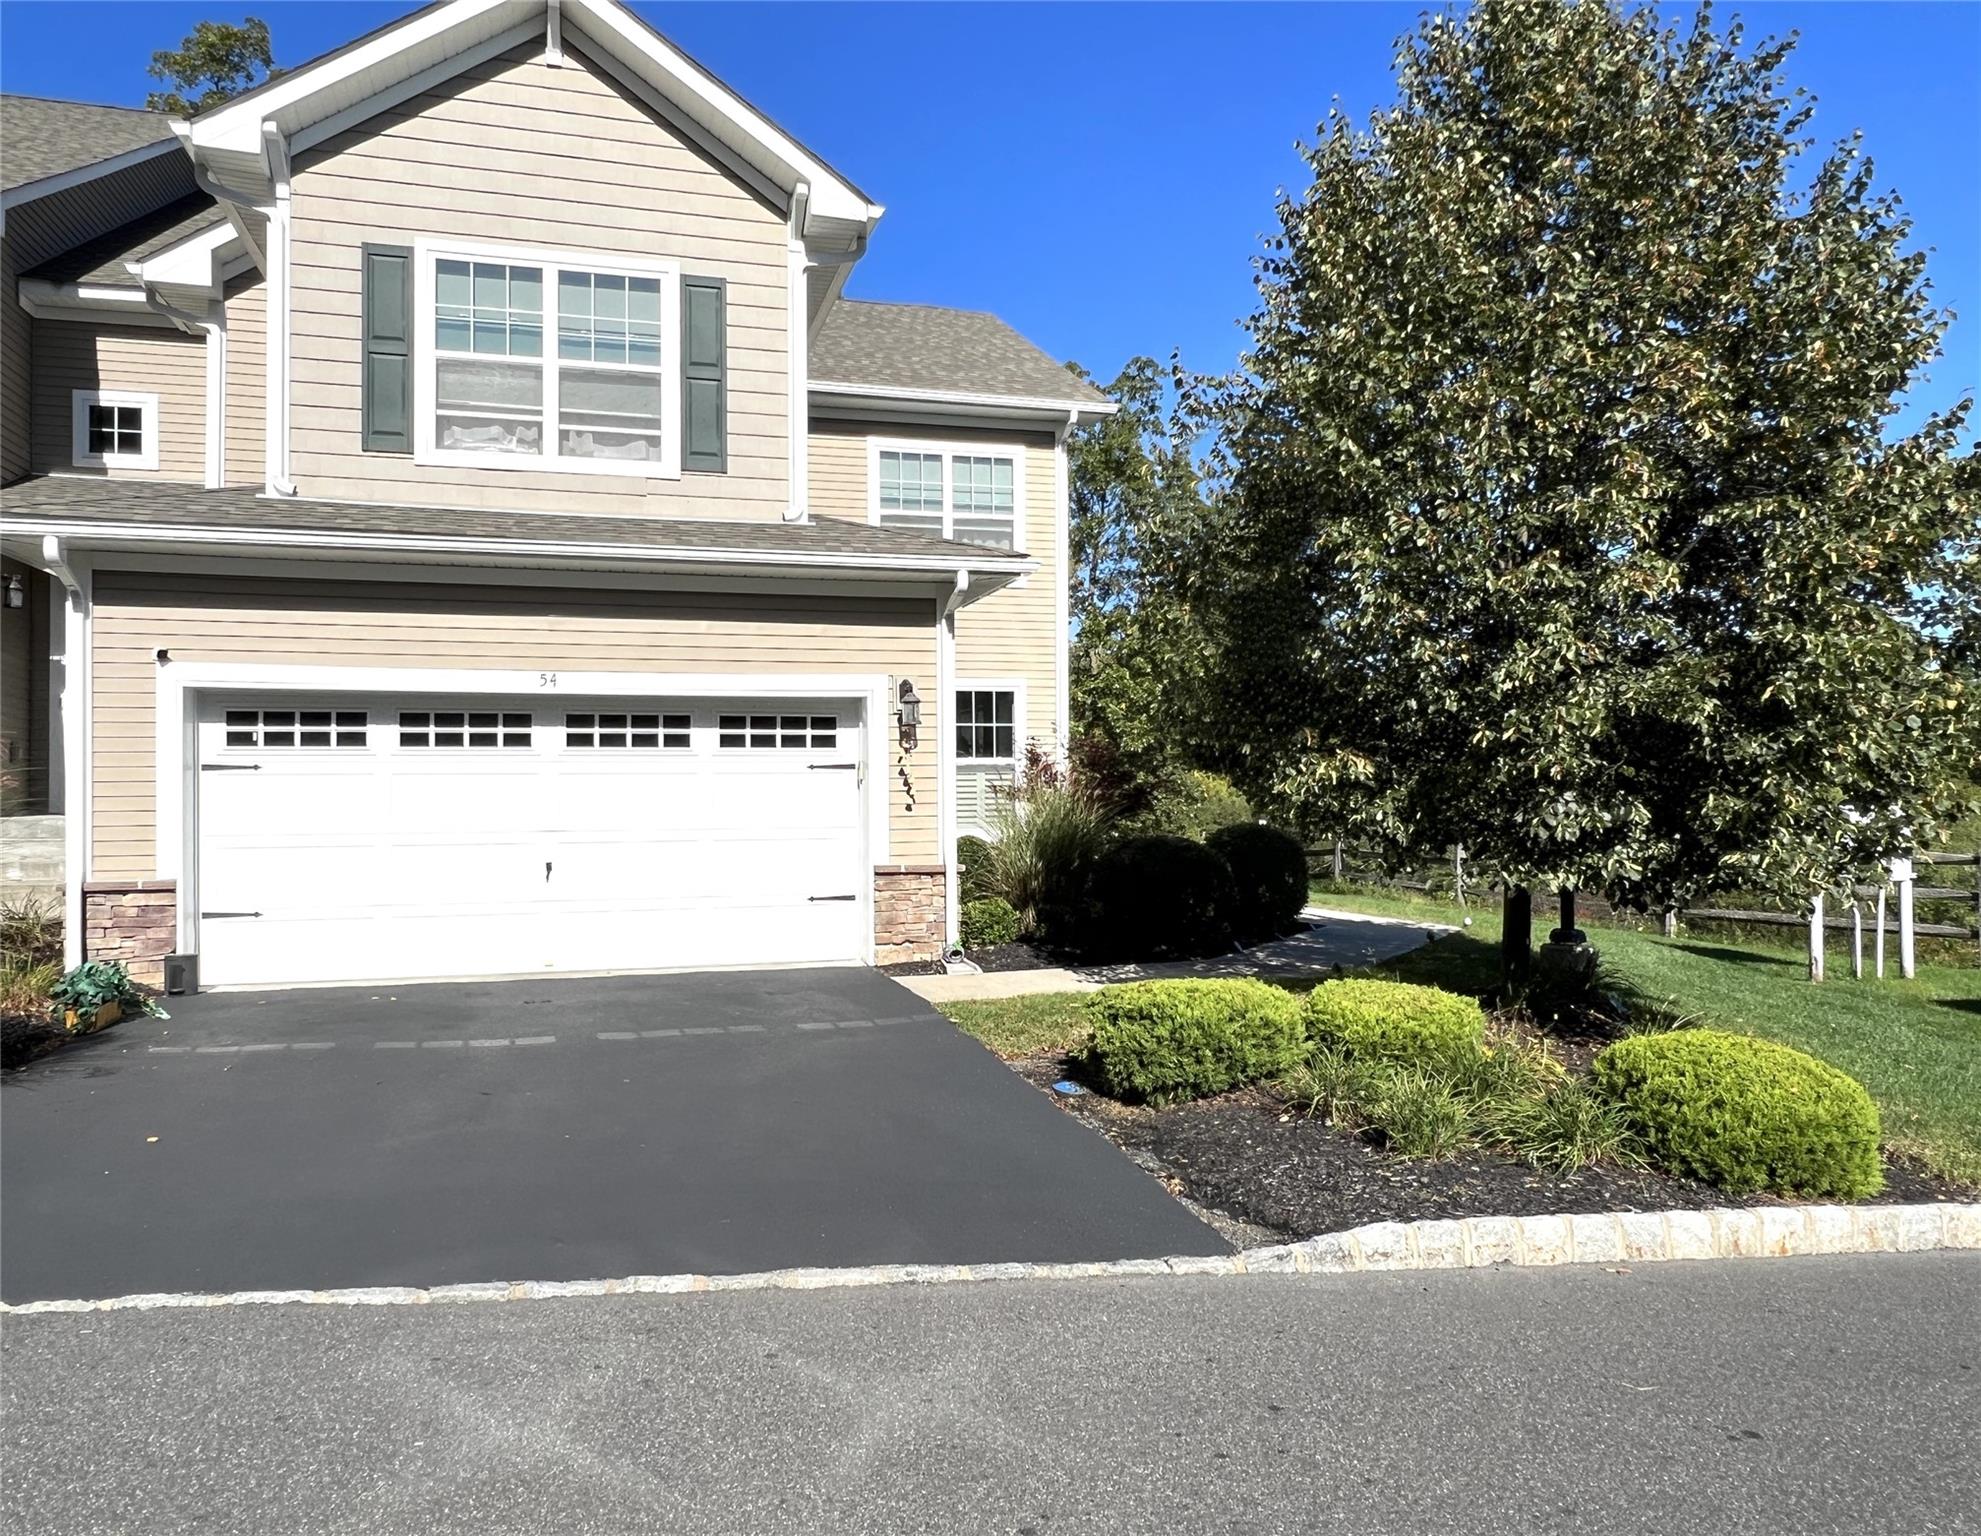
(80, 500)
(956, 351)
(101, 261)
(42, 137)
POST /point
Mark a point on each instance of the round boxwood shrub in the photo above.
(1158, 896)
(973, 862)
(1268, 876)
(1745, 1114)
(989, 920)
(1161, 1042)
(1396, 1021)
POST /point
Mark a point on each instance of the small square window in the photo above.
(113, 429)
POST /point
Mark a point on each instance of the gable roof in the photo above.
(101, 262)
(922, 349)
(366, 75)
(42, 137)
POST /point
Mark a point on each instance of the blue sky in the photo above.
(1099, 175)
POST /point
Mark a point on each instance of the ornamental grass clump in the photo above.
(1745, 1114)
(1163, 1042)
(1398, 1022)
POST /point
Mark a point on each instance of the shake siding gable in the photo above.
(517, 152)
(1010, 633)
(70, 355)
(224, 618)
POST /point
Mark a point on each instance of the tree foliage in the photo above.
(1559, 512)
(215, 63)
(1133, 498)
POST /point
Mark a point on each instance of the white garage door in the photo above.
(376, 838)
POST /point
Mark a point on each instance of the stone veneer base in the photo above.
(134, 921)
(909, 901)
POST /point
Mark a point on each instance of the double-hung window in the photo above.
(967, 493)
(548, 361)
(989, 740)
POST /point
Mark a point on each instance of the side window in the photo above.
(113, 429)
(986, 725)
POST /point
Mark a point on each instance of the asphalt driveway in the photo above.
(547, 1130)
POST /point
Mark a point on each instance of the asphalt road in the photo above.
(1799, 1396)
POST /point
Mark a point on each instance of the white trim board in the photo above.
(176, 714)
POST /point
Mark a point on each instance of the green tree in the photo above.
(1133, 503)
(1559, 512)
(216, 62)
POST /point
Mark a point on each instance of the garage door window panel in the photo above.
(463, 728)
(295, 728)
(778, 732)
(632, 731)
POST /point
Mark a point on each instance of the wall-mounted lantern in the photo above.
(16, 593)
(909, 711)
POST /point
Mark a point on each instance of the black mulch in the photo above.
(1248, 1157)
(23, 1038)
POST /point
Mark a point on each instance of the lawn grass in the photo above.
(1915, 1045)
(1024, 1026)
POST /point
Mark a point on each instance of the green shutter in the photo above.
(388, 337)
(704, 387)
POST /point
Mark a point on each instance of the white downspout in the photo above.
(75, 740)
(1062, 650)
(945, 756)
(798, 359)
(277, 271)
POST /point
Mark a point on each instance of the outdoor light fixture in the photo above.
(16, 594)
(910, 713)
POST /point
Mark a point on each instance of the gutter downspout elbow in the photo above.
(55, 561)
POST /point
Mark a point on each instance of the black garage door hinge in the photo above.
(832, 898)
(229, 914)
(230, 767)
(842, 767)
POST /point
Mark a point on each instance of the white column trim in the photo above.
(276, 466)
(1062, 639)
(945, 755)
(798, 361)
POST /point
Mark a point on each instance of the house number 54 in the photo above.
(546, 679)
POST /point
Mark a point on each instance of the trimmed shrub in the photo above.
(973, 862)
(1268, 876)
(1744, 1114)
(1159, 896)
(1397, 1021)
(987, 921)
(1161, 1042)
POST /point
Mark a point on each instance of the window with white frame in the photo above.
(113, 429)
(559, 363)
(986, 725)
(956, 493)
(755, 732)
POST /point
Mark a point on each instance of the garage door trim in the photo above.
(181, 683)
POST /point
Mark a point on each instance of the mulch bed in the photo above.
(1248, 1157)
(23, 1038)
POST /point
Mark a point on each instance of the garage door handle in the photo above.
(229, 914)
(840, 767)
(230, 767)
(832, 898)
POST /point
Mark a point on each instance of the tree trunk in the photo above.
(1517, 936)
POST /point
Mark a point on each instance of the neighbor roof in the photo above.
(101, 261)
(42, 137)
(946, 351)
(77, 504)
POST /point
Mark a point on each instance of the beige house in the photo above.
(455, 525)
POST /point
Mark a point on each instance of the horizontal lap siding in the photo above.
(517, 152)
(247, 380)
(69, 356)
(237, 619)
(1011, 633)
